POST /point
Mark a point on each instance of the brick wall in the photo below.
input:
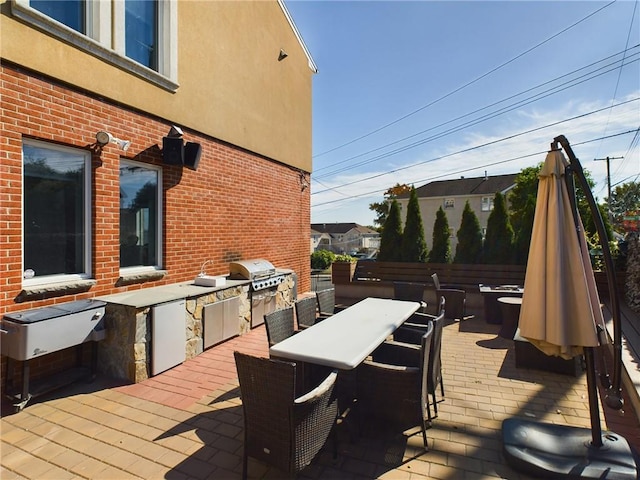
(237, 205)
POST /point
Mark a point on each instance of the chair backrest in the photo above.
(455, 301)
(306, 311)
(280, 429)
(326, 301)
(425, 355)
(279, 325)
(413, 292)
(436, 281)
(267, 389)
(435, 362)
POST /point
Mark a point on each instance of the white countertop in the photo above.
(345, 339)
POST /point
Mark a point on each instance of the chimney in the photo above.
(486, 177)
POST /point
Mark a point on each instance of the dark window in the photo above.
(139, 215)
(55, 201)
(69, 12)
(141, 28)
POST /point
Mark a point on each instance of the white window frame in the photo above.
(88, 226)
(99, 41)
(127, 271)
(486, 203)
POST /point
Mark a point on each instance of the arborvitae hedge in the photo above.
(441, 247)
(498, 242)
(391, 238)
(414, 246)
(469, 247)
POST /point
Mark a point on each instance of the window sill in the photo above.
(41, 292)
(140, 277)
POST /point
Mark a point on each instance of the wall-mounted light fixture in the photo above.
(282, 55)
(103, 138)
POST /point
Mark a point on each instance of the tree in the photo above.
(498, 242)
(382, 208)
(522, 237)
(440, 248)
(391, 237)
(414, 246)
(522, 200)
(469, 247)
(624, 198)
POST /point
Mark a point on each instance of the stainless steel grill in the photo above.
(264, 284)
(261, 272)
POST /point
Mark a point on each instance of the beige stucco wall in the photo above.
(232, 86)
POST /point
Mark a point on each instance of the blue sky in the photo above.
(417, 91)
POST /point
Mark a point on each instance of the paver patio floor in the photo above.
(186, 423)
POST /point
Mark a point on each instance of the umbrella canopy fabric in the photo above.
(560, 305)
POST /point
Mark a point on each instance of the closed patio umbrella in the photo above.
(561, 316)
(560, 305)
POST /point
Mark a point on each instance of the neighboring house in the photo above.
(145, 204)
(344, 238)
(452, 195)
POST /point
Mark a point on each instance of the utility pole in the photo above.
(608, 173)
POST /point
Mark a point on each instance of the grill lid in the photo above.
(251, 269)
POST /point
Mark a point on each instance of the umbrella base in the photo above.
(559, 451)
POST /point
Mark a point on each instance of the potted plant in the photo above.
(343, 268)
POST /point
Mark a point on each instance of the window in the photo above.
(141, 32)
(68, 12)
(139, 36)
(487, 204)
(140, 214)
(449, 203)
(56, 213)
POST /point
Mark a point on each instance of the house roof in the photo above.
(487, 185)
(339, 228)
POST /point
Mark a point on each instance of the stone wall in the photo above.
(632, 290)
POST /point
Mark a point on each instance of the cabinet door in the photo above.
(168, 336)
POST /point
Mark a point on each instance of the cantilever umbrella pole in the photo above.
(614, 401)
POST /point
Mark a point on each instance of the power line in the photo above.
(477, 79)
(485, 144)
(526, 101)
(500, 162)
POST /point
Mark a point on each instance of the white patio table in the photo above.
(345, 339)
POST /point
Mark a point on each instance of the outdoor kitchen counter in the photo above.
(144, 328)
(147, 297)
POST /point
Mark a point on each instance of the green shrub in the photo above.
(345, 258)
(322, 259)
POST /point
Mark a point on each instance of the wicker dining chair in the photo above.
(326, 302)
(411, 291)
(456, 299)
(392, 385)
(306, 312)
(280, 429)
(279, 325)
(411, 332)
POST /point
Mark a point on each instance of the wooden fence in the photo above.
(465, 276)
